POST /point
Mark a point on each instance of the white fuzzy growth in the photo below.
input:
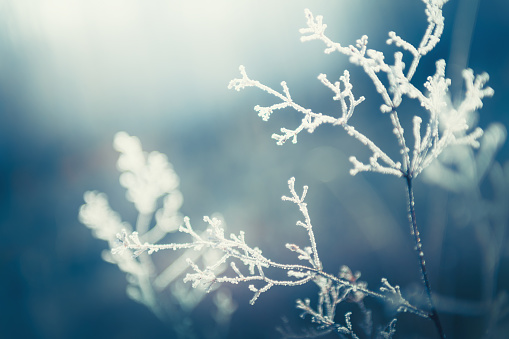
(448, 126)
(147, 177)
(97, 215)
(430, 38)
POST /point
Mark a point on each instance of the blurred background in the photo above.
(73, 73)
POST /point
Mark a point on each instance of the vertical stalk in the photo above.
(422, 263)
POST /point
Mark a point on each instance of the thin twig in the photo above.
(422, 263)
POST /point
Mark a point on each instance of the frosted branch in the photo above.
(448, 126)
(132, 242)
(394, 295)
(343, 93)
(428, 147)
(325, 322)
(235, 250)
(311, 120)
(372, 61)
(429, 40)
(389, 331)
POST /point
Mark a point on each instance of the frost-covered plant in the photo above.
(334, 289)
(444, 127)
(150, 179)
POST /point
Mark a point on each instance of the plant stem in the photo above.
(422, 263)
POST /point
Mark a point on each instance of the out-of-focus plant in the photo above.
(151, 182)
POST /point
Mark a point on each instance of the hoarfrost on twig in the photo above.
(235, 250)
(434, 101)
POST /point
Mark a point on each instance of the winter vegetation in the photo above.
(442, 145)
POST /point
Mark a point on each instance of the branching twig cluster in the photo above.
(334, 289)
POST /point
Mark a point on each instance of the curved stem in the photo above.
(422, 263)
